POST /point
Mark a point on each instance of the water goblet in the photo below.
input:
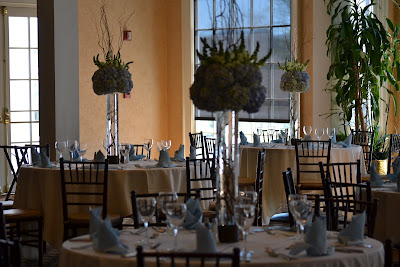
(307, 130)
(159, 146)
(271, 133)
(166, 144)
(164, 198)
(176, 213)
(72, 147)
(244, 218)
(61, 146)
(319, 133)
(301, 209)
(146, 207)
(330, 132)
(148, 144)
(124, 149)
(82, 147)
(247, 197)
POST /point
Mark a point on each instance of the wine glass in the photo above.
(146, 207)
(247, 197)
(159, 146)
(307, 130)
(166, 144)
(82, 147)
(164, 198)
(176, 213)
(124, 149)
(244, 218)
(330, 132)
(300, 208)
(72, 147)
(61, 146)
(148, 144)
(319, 132)
(271, 133)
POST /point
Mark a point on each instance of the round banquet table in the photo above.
(40, 188)
(278, 158)
(80, 253)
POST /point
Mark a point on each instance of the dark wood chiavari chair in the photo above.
(365, 139)
(10, 251)
(197, 141)
(394, 150)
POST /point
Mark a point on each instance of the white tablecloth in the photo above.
(277, 159)
(40, 188)
(72, 257)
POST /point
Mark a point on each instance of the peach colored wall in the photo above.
(145, 114)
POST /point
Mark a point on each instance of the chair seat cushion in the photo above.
(7, 204)
(82, 218)
(21, 214)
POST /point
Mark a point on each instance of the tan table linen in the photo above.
(277, 159)
(374, 256)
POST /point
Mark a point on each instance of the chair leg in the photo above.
(40, 241)
(44, 247)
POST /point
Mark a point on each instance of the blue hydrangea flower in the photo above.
(295, 81)
(111, 79)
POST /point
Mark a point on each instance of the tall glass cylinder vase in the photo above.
(112, 125)
(295, 115)
(227, 172)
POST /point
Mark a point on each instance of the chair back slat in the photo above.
(290, 189)
(259, 186)
(394, 150)
(365, 139)
(197, 141)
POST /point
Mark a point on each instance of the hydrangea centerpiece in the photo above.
(295, 78)
(113, 75)
(228, 79)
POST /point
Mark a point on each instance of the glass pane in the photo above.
(35, 95)
(19, 116)
(19, 64)
(35, 132)
(35, 115)
(34, 64)
(19, 95)
(262, 36)
(222, 14)
(222, 35)
(246, 34)
(277, 74)
(33, 32)
(266, 79)
(261, 13)
(20, 132)
(242, 13)
(18, 32)
(281, 44)
(204, 14)
(281, 12)
(281, 110)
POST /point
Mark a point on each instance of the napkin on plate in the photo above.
(107, 239)
(44, 160)
(346, 142)
(192, 152)
(194, 214)
(315, 242)
(35, 157)
(94, 221)
(353, 234)
(256, 139)
(396, 170)
(164, 160)
(179, 155)
(374, 178)
(243, 139)
(205, 239)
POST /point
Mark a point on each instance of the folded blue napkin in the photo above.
(192, 152)
(107, 239)
(133, 156)
(256, 139)
(333, 140)
(94, 221)
(44, 160)
(243, 139)
(164, 159)
(179, 155)
(315, 242)
(194, 214)
(205, 240)
(353, 234)
(307, 138)
(374, 177)
(396, 170)
(35, 157)
(346, 142)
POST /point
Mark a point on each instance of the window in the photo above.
(263, 21)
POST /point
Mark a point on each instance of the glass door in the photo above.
(19, 81)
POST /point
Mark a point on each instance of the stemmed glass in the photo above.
(244, 217)
(124, 149)
(61, 146)
(148, 144)
(159, 146)
(166, 144)
(270, 135)
(176, 213)
(330, 132)
(301, 209)
(72, 147)
(146, 207)
(82, 147)
(307, 130)
(319, 133)
(164, 198)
